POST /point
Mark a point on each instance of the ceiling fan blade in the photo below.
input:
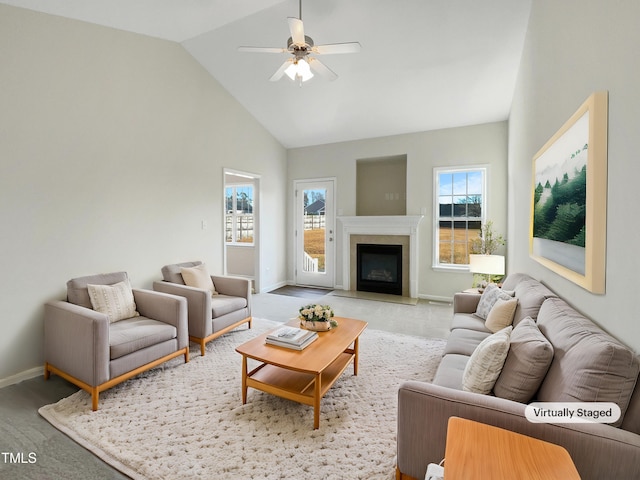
(297, 31)
(321, 69)
(262, 49)
(333, 48)
(280, 72)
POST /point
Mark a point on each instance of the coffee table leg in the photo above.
(244, 379)
(355, 356)
(316, 403)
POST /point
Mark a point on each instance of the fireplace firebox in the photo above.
(379, 268)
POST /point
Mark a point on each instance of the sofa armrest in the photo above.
(198, 306)
(597, 450)
(164, 307)
(465, 302)
(76, 341)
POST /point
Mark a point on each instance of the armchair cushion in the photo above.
(133, 334)
(115, 301)
(223, 304)
(198, 277)
(171, 273)
(77, 292)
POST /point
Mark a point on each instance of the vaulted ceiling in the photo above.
(424, 64)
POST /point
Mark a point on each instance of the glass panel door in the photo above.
(315, 244)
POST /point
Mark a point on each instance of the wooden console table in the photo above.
(478, 451)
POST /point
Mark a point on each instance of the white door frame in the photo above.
(330, 226)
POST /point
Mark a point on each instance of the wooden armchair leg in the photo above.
(94, 398)
(47, 373)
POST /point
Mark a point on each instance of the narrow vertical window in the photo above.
(459, 213)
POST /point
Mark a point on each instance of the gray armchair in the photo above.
(209, 316)
(82, 346)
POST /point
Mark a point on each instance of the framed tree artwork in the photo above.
(569, 198)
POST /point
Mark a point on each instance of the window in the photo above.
(239, 214)
(459, 213)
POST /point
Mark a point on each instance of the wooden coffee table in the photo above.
(302, 376)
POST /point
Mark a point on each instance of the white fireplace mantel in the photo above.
(382, 225)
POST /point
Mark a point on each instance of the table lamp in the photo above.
(486, 264)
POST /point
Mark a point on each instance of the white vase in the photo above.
(315, 326)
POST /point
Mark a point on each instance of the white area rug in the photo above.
(187, 420)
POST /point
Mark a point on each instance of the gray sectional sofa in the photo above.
(586, 365)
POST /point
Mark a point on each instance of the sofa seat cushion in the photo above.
(133, 334)
(589, 365)
(468, 321)
(530, 294)
(464, 342)
(450, 370)
(530, 355)
(223, 304)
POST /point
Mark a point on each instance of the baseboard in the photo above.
(435, 298)
(19, 377)
(273, 287)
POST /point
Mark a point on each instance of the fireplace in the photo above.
(381, 230)
(379, 268)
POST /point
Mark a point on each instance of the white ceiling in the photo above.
(424, 64)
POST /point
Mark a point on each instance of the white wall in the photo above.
(479, 144)
(572, 49)
(112, 148)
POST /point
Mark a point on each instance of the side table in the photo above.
(475, 450)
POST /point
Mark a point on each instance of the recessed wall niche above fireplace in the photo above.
(379, 268)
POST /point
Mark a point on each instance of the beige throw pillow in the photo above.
(501, 314)
(198, 277)
(116, 301)
(486, 361)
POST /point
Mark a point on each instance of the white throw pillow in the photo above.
(116, 301)
(486, 361)
(198, 277)
(501, 314)
(490, 295)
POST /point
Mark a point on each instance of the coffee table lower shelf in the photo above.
(302, 387)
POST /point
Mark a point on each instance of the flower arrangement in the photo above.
(317, 313)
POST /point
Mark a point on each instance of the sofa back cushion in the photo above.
(172, 273)
(514, 279)
(589, 365)
(530, 294)
(78, 292)
(530, 355)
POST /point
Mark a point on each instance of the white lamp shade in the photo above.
(486, 264)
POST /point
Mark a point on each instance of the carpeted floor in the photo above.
(188, 421)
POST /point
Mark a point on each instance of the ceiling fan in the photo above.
(301, 65)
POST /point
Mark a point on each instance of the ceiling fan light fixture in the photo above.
(299, 70)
